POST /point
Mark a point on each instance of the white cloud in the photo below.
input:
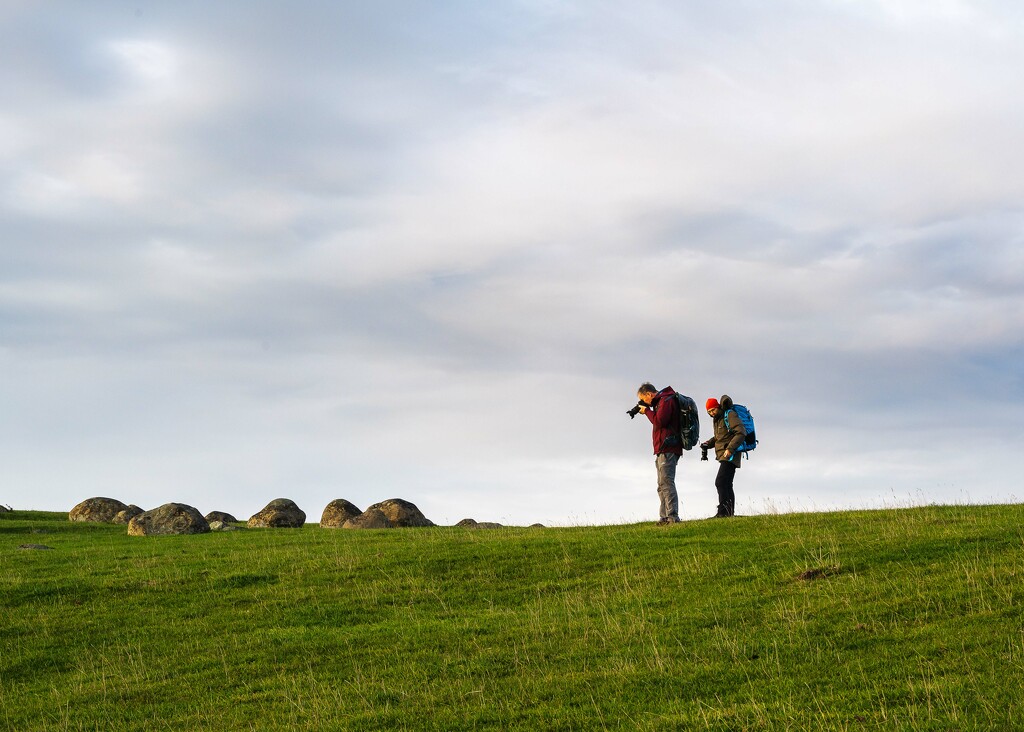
(432, 252)
(78, 183)
(149, 61)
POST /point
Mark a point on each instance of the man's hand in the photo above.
(727, 454)
(643, 409)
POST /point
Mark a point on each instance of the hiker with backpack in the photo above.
(673, 427)
(730, 442)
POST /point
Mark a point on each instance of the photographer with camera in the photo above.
(729, 434)
(662, 409)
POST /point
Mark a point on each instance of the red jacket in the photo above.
(664, 415)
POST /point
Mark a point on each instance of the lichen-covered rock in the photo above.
(168, 519)
(99, 510)
(123, 517)
(371, 518)
(401, 513)
(474, 524)
(223, 526)
(220, 516)
(281, 513)
(337, 513)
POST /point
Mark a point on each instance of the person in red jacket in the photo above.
(662, 409)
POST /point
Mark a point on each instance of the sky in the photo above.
(429, 251)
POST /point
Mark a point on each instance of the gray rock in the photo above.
(281, 513)
(220, 516)
(35, 546)
(168, 519)
(223, 526)
(337, 513)
(123, 517)
(473, 524)
(371, 518)
(98, 510)
(401, 513)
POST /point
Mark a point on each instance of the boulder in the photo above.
(5, 509)
(220, 516)
(473, 524)
(337, 513)
(537, 526)
(223, 526)
(371, 518)
(98, 510)
(401, 513)
(123, 517)
(280, 513)
(170, 518)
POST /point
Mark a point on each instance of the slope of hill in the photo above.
(897, 619)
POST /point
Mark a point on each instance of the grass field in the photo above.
(901, 619)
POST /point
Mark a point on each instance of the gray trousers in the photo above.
(666, 463)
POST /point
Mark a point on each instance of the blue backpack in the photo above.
(748, 422)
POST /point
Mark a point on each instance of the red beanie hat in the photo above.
(712, 404)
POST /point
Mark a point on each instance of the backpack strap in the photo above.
(738, 452)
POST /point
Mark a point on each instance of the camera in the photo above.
(703, 453)
(636, 410)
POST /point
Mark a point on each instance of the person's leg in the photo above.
(666, 464)
(726, 496)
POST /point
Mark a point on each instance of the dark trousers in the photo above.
(726, 497)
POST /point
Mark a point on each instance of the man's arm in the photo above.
(664, 411)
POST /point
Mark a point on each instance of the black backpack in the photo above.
(689, 421)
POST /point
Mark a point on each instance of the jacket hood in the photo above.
(726, 402)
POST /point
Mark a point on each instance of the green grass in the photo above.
(912, 619)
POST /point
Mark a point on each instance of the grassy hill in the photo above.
(902, 619)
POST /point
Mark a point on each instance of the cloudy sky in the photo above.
(324, 250)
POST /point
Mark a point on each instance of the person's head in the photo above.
(646, 392)
(713, 406)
